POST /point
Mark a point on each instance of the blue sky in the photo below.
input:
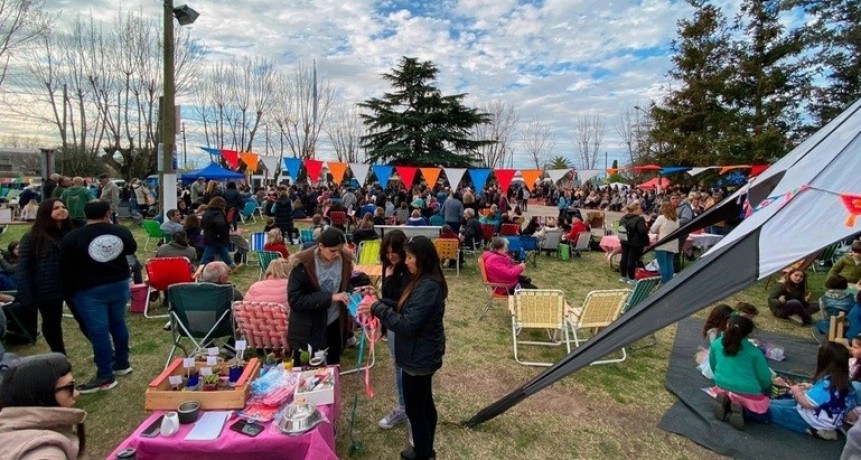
(552, 60)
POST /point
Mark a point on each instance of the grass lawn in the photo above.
(608, 411)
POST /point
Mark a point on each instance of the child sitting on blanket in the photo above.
(742, 377)
(712, 329)
(819, 409)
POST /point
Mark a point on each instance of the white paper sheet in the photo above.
(209, 426)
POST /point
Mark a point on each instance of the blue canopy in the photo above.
(211, 172)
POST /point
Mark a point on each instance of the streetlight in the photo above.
(185, 15)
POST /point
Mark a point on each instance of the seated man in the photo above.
(172, 224)
(470, 232)
(217, 273)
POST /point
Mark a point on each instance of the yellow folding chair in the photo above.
(448, 249)
(538, 309)
(598, 311)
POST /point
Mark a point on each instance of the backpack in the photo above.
(622, 233)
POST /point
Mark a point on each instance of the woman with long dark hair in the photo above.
(792, 298)
(38, 271)
(38, 418)
(216, 233)
(417, 320)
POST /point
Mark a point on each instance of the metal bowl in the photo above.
(299, 418)
(188, 412)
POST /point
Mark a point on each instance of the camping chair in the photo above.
(262, 324)
(248, 211)
(369, 252)
(338, 219)
(448, 249)
(153, 230)
(642, 290)
(515, 248)
(488, 231)
(826, 258)
(256, 241)
(199, 312)
(551, 242)
(538, 309)
(599, 310)
(264, 258)
(306, 235)
(584, 239)
(490, 288)
(509, 230)
(162, 273)
(529, 245)
(15, 327)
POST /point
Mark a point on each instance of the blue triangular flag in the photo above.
(383, 174)
(292, 166)
(479, 177)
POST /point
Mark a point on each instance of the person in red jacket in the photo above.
(501, 268)
(577, 227)
(275, 243)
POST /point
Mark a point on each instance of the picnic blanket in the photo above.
(691, 416)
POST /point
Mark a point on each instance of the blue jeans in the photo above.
(399, 373)
(784, 413)
(103, 311)
(209, 253)
(665, 262)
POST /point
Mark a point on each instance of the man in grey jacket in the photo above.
(452, 210)
(111, 194)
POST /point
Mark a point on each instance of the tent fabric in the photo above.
(454, 176)
(649, 167)
(360, 172)
(674, 169)
(479, 177)
(762, 244)
(698, 171)
(504, 177)
(250, 159)
(726, 169)
(314, 168)
(231, 157)
(211, 172)
(652, 183)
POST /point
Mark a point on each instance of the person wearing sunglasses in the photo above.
(38, 418)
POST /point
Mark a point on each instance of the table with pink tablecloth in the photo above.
(611, 244)
(317, 444)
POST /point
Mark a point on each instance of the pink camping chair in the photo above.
(262, 324)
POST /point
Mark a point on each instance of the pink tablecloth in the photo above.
(317, 444)
(610, 243)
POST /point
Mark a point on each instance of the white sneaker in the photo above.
(395, 417)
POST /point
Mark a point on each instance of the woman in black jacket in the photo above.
(38, 271)
(216, 233)
(282, 211)
(637, 239)
(417, 320)
(234, 202)
(395, 280)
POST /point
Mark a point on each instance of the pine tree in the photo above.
(417, 125)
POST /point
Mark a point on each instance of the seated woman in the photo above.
(792, 299)
(38, 418)
(275, 243)
(28, 212)
(416, 219)
(500, 268)
(273, 286)
(364, 230)
(492, 218)
(849, 266)
(379, 216)
(179, 247)
(577, 227)
(531, 227)
(549, 227)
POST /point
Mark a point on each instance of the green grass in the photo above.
(608, 411)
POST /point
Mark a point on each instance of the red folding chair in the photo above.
(488, 231)
(509, 230)
(338, 219)
(162, 272)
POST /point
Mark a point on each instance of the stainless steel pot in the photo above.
(299, 418)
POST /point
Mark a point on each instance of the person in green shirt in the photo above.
(849, 266)
(75, 198)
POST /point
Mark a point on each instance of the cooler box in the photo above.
(139, 298)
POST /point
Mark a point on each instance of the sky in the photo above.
(551, 60)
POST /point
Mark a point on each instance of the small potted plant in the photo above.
(210, 382)
(193, 381)
(234, 370)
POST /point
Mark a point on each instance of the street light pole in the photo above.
(167, 177)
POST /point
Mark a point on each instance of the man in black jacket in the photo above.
(96, 276)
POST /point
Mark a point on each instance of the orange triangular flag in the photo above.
(530, 176)
(337, 170)
(431, 175)
(250, 160)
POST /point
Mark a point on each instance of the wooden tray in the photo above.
(159, 396)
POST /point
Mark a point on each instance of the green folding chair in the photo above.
(369, 252)
(825, 259)
(200, 314)
(642, 290)
(264, 258)
(153, 230)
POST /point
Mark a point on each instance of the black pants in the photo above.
(630, 256)
(796, 307)
(334, 341)
(420, 408)
(52, 323)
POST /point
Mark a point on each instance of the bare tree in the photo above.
(500, 130)
(538, 141)
(632, 126)
(303, 109)
(21, 22)
(345, 131)
(589, 132)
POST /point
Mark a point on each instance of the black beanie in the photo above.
(331, 237)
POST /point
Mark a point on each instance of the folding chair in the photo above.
(248, 211)
(448, 249)
(262, 324)
(162, 273)
(599, 310)
(509, 230)
(643, 288)
(256, 241)
(515, 249)
(16, 327)
(200, 313)
(264, 258)
(837, 329)
(530, 248)
(369, 252)
(153, 230)
(538, 309)
(488, 231)
(582, 243)
(490, 288)
(306, 235)
(825, 259)
(551, 242)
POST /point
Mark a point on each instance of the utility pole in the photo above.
(184, 149)
(167, 175)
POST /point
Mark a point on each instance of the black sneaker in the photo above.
(122, 370)
(721, 407)
(736, 416)
(97, 384)
(410, 454)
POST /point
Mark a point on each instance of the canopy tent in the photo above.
(652, 183)
(211, 172)
(804, 191)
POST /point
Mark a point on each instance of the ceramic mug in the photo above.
(169, 424)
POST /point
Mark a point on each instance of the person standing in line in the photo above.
(665, 224)
(216, 232)
(96, 276)
(111, 194)
(636, 237)
(75, 198)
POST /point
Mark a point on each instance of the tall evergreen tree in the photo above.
(417, 125)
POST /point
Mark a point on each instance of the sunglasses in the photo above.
(70, 387)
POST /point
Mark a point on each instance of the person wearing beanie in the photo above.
(38, 418)
(318, 292)
(96, 277)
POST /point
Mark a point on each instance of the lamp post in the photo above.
(167, 149)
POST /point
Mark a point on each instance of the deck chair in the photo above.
(509, 230)
(538, 309)
(598, 311)
(264, 258)
(448, 249)
(369, 252)
(582, 244)
(248, 211)
(262, 324)
(490, 288)
(642, 290)
(162, 273)
(256, 242)
(825, 259)
(515, 248)
(306, 235)
(153, 230)
(488, 231)
(530, 248)
(551, 242)
(200, 314)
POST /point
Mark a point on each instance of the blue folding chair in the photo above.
(248, 211)
(529, 245)
(515, 248)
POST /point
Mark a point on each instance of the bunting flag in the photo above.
(726, 169)
(454, 176)
(231, 157)
(211, 151)
(479, 178)
(530, 176)
(431, 175)
(270, 163)
(337, 169)
(697, 171)
(674, 169)
(504, 176)
(313, 167)
(585, 174)
(383, 173)
(292, 166)
(557, 174)
(250, 159)
(649, 167)
(756, 170)
(612, 171)
(853, 206)
(360, 172)
(407, 174)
